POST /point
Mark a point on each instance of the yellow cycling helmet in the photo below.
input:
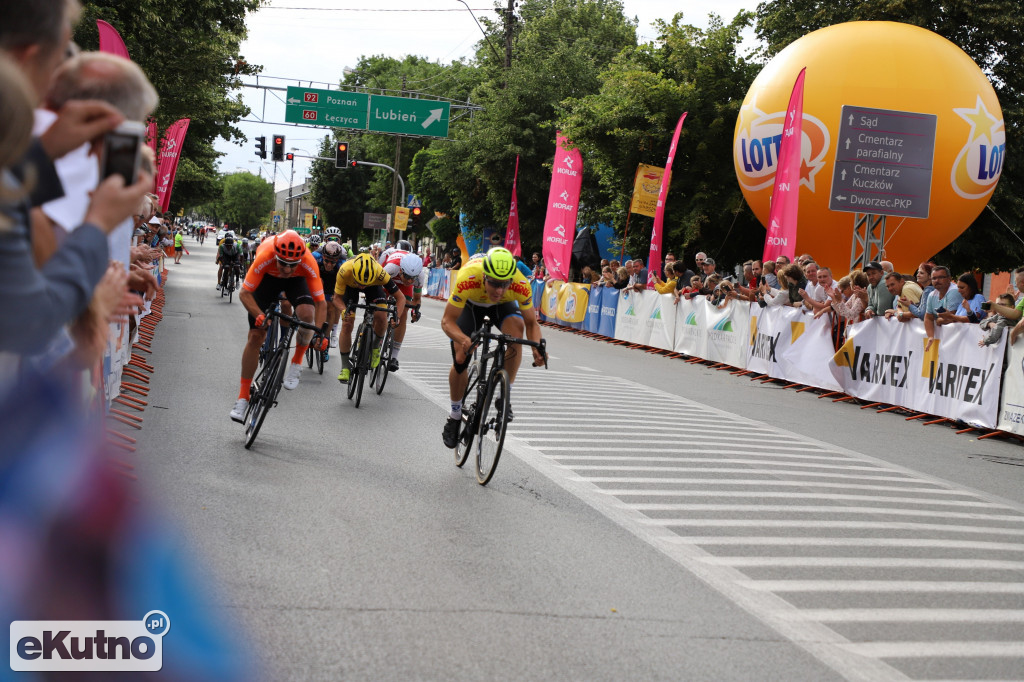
(499, 264)
(366, 270)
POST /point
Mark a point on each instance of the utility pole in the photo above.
(509, 18)
(291, 178)
(394, 181)
(272, 212)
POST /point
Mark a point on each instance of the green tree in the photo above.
(631, 121)
(559, 51)
(189, 50)
(247, 200)
(987, 31)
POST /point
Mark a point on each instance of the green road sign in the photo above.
(303, 230)
(331, 108)
(407, 116)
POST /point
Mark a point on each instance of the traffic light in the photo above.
(415, 217)
(289, 157)
(277, 153)
(341, 154)
(352, 163)
(261, 147)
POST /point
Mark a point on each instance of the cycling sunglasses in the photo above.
(497, 283)
(287, 263)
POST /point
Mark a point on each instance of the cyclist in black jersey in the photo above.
(329, 257)
(227, 255)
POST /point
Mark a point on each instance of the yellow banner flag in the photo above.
(401, 218)
(309, 220)
(645, 189)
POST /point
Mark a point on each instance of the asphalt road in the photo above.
(651, 519)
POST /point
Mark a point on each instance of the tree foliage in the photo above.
(340, 193)
(247, 200)
(989, 32)
(189, 51)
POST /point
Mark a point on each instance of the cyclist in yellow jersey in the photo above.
(362, 273)
(490, 286)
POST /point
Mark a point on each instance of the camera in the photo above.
(987, 305)
(122, 152)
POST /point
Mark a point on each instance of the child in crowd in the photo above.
(994, 323)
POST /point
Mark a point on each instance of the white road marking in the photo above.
(657, 454)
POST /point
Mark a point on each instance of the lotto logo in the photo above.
(89, 645)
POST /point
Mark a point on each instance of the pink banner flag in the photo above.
(563, 205)
(654, 257)
(110, 40)
(167, 161)
(782, 216)
(151, 134)
(512, 234)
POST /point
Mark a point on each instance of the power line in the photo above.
(369, 9)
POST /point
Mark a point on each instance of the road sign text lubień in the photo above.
(883, 162)
(332, 108)
(407, 116)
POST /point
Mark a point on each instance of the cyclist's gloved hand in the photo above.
(322, 344)
(415, 315)
(261, 319)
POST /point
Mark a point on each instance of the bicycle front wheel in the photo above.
(309, 356)
(468, 430)
(319, 355)
(263, 395)
(381, 373)
(354, 355)
(363, 365)
(493, 420)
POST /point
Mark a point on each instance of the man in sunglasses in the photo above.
(283, 264)
(492, 286)
(329, 257)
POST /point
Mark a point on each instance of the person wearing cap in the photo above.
(879, 298)
(707, 268)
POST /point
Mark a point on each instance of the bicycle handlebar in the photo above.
(482, 333)
(272, 311)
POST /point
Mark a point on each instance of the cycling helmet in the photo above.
(403, 245)
(289, 245)
(229, 235)
(366, 270)
(315, 240)
(411, 265)
(499, 263)
(332, 250)
(229, 239)
(332, 232)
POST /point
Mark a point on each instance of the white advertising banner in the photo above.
(727, 329)
(886, 361)
(1011, 410)
(635, 317)
(691, 328)
(663, 329)
(788, 343)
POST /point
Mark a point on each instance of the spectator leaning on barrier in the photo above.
(1015, 311)
(707, 268)
(923, 277)
(825, 285)
(905, 293)
(768, 274)
(993, 325)
(669, 285)
(940, 303)
(879, 298)
(854, 288)
(621, 278)
(970, 309)
(638, 279)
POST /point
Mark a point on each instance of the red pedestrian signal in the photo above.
(289, 156)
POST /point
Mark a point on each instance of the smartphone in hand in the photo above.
(122, 152)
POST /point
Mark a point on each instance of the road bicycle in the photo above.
(229, 283)
(267, 384)
(381, 371)
(485, 420)
(359, 356)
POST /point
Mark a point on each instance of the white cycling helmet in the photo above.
(332, 232)
(229, 235)
(315, 239)
(411, 265)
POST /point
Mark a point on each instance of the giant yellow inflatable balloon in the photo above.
(883, 65)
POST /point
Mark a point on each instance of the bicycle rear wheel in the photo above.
(263, 395)
(493, 421)
(468, 429)
(381, 373)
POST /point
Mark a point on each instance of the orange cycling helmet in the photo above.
(289, 245)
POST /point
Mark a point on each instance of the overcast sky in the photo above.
(294, 42)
